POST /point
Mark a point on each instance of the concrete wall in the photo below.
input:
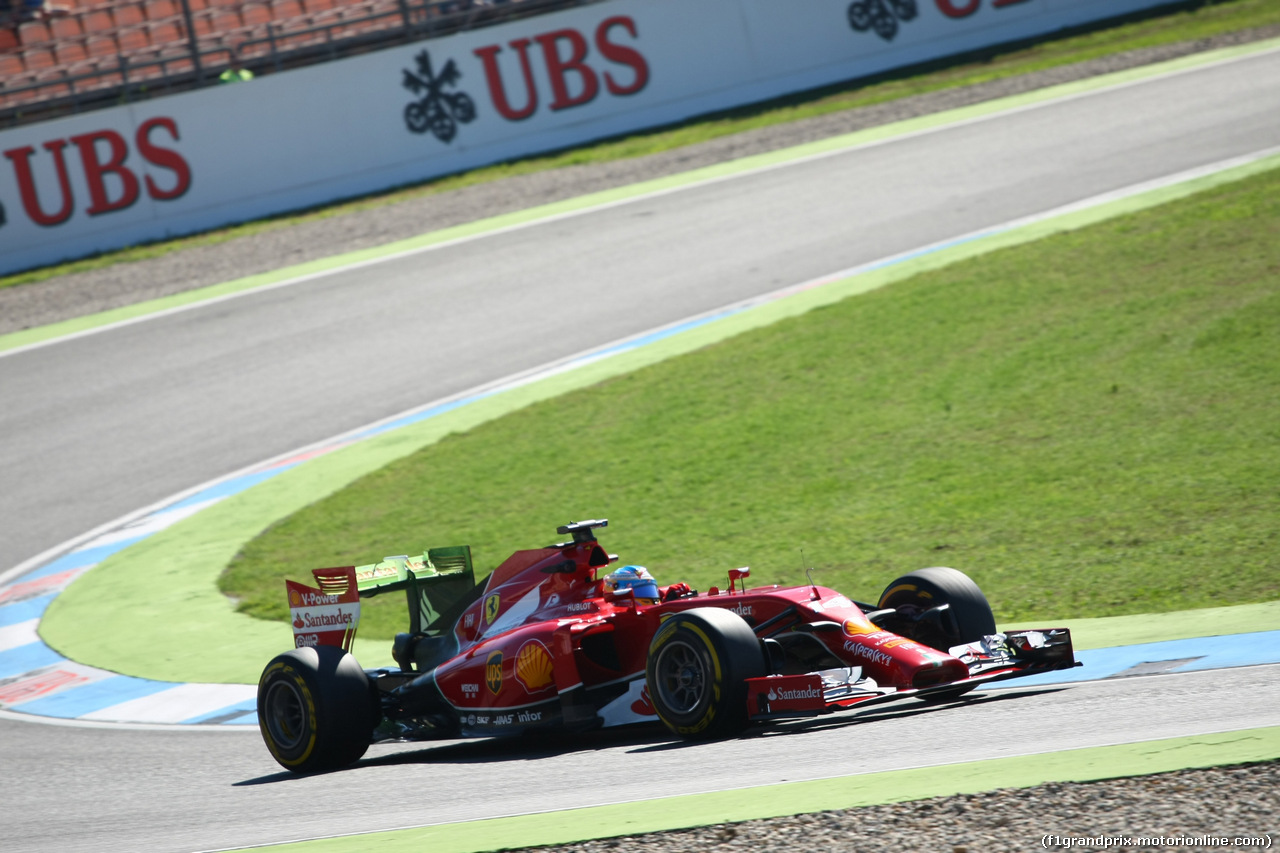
(201, 159)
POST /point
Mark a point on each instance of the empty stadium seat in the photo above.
(11, 66)
(159, 10)
(38, 58)
(87, 37)
(100, 45)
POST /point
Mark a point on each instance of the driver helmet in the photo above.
(635, 578)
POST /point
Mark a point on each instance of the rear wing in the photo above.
(328, 614)
(434, 583)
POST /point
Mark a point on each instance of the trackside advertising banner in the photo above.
(197, 160)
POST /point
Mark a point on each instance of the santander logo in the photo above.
(798, 693)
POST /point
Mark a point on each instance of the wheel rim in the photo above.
(681, 676)
(286, 715)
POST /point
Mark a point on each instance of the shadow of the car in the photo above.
(526, 747)
(892, 712)
(640, 739)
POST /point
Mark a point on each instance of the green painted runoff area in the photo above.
(160, 599)
(867, 789)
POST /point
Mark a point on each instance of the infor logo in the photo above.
(437, 111)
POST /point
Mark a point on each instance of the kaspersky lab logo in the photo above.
(438, 112)
(881, 15)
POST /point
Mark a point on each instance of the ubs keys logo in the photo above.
(881, 15)
(437, 111)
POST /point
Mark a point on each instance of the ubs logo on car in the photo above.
(493, 673)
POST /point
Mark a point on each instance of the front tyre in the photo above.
(968, 620)
(699, 661)
(315, 709)
(970, 616)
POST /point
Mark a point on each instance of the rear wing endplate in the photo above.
(328, 614)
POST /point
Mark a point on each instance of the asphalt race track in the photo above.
(99, 426)
(110, 790)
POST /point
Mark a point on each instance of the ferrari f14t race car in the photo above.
(554, 640)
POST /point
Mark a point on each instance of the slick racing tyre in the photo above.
(699, 661)
(968, 619)
(315, 709)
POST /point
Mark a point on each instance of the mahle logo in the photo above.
(437, 111)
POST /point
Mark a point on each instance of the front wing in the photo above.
(998, 657)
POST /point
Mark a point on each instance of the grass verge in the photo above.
(1086, 424)
(1205, 20)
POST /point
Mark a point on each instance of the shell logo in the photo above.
(858, 625)
(534, 669)
(295, 600)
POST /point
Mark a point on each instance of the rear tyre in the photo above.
(315, 709)
(969, 618)
(699, 661)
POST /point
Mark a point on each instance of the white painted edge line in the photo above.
(178, 703)
(75, 723)
(859, 146)
(18, 635)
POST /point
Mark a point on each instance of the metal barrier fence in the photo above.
(182, 66)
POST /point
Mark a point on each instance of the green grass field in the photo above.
(1089, 425)
(1206, 19)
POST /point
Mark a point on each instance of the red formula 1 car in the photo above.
(554, 640)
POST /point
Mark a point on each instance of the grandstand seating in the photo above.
(74, 47)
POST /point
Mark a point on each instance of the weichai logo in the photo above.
(105, 159)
